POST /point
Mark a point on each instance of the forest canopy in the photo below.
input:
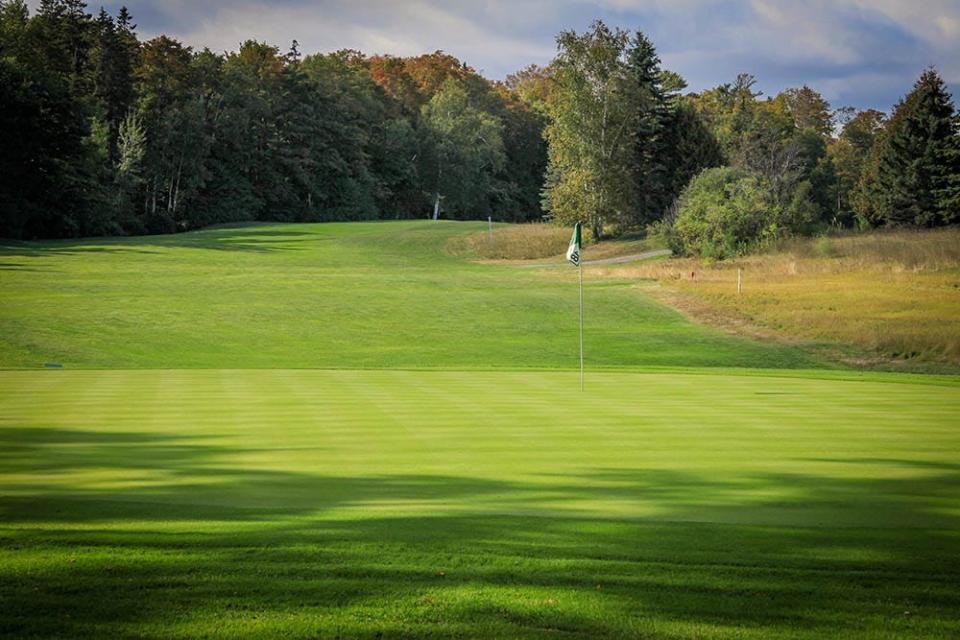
(105, 134)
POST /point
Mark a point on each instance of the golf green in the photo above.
(209, 464)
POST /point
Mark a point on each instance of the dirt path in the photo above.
(646, 255)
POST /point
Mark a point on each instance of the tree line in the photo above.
(720, 171)
(106, 134)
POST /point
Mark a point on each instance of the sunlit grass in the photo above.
(347, 431)
(540, 242)
(355, 295)
(896, 294)
(512, 242)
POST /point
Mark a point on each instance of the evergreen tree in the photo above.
(44, 187)
(848, 154)
(518, 184)
(64, 36)
(912, 174)
(349, 120)
(172, 111)
(107, 79)
(14, 22)
(652, 183)
(689, 147)
(673, 141)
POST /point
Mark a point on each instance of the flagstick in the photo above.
(580, 266)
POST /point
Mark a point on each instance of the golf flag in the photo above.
(573, 255)
(573, 251)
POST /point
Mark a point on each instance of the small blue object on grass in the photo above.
(52, 365)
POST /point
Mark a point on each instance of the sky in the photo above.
(861, 53)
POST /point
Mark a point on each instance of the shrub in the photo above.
(726, 212)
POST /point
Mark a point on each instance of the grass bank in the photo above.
(895, 295)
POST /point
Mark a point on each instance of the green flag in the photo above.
(573, 251)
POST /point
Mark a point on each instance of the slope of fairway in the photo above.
(357, 295)
(475, 504)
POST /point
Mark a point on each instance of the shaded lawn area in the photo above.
(466, 504)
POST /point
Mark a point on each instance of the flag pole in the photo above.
(574, 257)
(580, 267)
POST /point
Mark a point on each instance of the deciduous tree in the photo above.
(591, 131)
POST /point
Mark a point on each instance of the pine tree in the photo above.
(651, 179)
(14, 18)
(912, 175)
(689, 147)
(104, 57)
(848, 154)
(64, 32)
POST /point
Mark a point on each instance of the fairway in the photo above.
(343, 431)
(357, 295)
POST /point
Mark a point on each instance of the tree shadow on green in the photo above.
(189, 537)
(229, 239)
(198, 541)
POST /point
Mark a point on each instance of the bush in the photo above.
(725, 212)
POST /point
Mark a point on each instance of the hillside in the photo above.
(888, 299)
(344, 295)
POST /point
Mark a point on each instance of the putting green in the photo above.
(306, 503)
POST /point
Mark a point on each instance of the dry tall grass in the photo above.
(513, 242)
(896, 293)
(901, 249)
(539, 242)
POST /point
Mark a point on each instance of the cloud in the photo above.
(861, 52)
(372, 26)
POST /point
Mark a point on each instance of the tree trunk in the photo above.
(176, 188)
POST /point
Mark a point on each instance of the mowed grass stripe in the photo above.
(601, 453)
(464, 504)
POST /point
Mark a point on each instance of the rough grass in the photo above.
(540, 242)
(362, 504)
(913, 250)
(512, 242)
(896, 294)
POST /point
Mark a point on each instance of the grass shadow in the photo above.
(241, 239)
(179, 538)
